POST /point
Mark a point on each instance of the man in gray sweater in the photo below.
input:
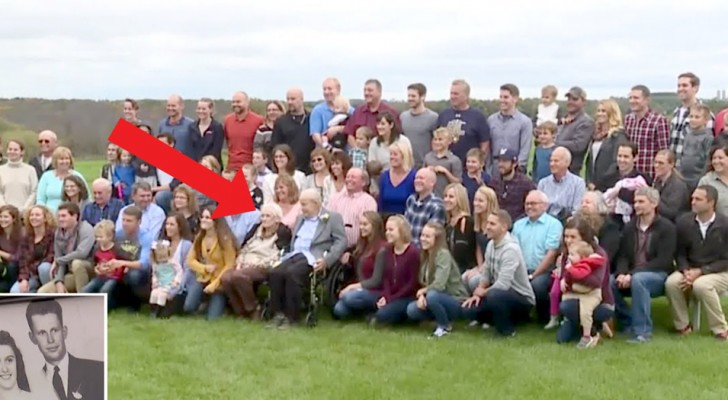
(72, 247)
(504, 296)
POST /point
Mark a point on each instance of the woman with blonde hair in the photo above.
(608, 135)
(50, 186)
(485, 202)
(398, 182)
(36, 250)
(459, 233)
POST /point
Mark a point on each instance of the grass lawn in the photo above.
(190, 358)
(228, 359)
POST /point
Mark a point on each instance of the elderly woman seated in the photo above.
(318, 242)
(260, 249)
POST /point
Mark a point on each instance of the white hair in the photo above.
(311, 194)
(103, 182)
(274, 209)
(565, 152)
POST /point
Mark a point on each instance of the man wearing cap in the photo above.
(511, 185)
(576, 128)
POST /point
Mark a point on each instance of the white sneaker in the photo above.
(485, 326)
(473, 324)
(439, 332)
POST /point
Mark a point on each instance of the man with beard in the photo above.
(293, 129)
(240, 127)
(418, 122)
(511, 185)
(368, 113)
(688, 85)
(467, 125)
(64, 375)
(178, 125)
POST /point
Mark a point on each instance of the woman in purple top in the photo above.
(400, 281)
(575, 230)
(398, 182)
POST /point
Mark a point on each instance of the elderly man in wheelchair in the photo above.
(319, 240)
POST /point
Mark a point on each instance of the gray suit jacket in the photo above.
(330, 237)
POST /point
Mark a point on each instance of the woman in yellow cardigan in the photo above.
(212, 253)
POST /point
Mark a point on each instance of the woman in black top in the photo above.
(608, 135)
(459, 230)
(206, 133)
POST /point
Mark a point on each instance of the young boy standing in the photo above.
(546, 136)
(698, 140)
(447, 166)
(359, 154)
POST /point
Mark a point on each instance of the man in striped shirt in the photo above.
(648, 129)
(352, 202)
(688, 85)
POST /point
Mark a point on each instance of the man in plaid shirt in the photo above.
(646, 128)
(688, 85)
(423, 206)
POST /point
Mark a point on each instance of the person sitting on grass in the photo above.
(72, 250)
(400, 280)
(504, 296)
(212, 253)
(443, 290)
(106, 277)
(36, 250)
(184, 202)
(368, 257)
(75, 191)
(319, 241)
(166, 277)
(132, 247)
(260, 249)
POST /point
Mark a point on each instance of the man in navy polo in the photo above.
(468, 125)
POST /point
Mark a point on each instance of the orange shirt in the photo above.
(239, 134)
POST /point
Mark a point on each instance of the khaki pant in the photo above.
(706, 290)
(80, 274)
(588, 302)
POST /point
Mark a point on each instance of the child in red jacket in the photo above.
(584, 264)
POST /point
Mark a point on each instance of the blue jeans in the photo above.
(137, 280)
(164, 200)
(441, 307)
(542, 289)
(33, 285)
(44, 276)
(644, 286)
(99, 285)
(355, 301)
(394, 312)
(570, 330)
(501, 308)
(195, 294)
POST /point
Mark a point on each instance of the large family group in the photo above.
(431, 216)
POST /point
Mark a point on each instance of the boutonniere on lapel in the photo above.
(325, 217)
(77, 394)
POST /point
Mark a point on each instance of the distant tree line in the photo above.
(84, 125)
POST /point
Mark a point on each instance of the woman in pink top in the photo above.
(286, 196)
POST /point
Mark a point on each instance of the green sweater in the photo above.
(446, 276)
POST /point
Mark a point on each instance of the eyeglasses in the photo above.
(320, 159)
(43, 141)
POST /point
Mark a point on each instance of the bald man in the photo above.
(178, 125)
(322, 113)
(293, 129)
(564, 188)
(48, 141)
(240, 127)
(424, 206)
(103, 206)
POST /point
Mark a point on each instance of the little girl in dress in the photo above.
(166, 277)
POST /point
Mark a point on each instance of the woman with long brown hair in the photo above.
(36, 250)
(485, 202)
(10, 235)
(362, 295)
(212, 253)
(75, 191)
(184, 202)
(442, 290)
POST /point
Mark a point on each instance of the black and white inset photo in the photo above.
(53, 347)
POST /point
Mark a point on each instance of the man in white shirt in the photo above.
(47, 141)
(62, 374)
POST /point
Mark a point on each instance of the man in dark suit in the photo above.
(69, 377)
(48, 141)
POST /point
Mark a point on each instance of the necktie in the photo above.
(58, 384)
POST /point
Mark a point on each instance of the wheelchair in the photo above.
(323, 291)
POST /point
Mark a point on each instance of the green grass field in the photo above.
(192, 358)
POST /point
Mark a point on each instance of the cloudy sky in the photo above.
(152, 48)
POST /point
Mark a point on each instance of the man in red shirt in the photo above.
(368, 113)
(240, 127)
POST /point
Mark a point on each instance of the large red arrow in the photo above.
(232, 197)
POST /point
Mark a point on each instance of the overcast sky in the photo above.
(152, 48)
